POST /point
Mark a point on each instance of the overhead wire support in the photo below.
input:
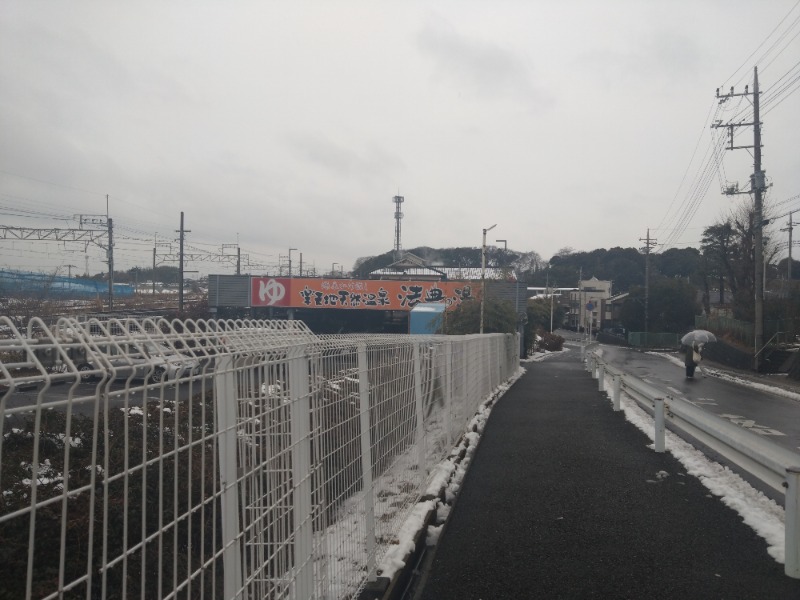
(650, 243)
(757, 188)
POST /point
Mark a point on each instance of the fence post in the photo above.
(658, 407)
(792, 532)
(616, 391)
(601, 376)
(448, 391)
(420, 439)
(466, 388)
(366, 460)
(300, 427)
(225, 401)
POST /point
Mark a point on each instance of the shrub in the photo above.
(549, 342)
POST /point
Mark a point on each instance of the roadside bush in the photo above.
(549, 342)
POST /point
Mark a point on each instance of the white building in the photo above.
(587, 303)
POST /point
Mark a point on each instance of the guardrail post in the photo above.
(792, 535)
(616, 391)
(601, 377)
(658, 407)
(366, 460)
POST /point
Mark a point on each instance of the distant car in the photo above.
(615, 331)
(157, 362)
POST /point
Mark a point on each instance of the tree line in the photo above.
(683, 282)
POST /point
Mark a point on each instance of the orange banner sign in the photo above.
(355, 293)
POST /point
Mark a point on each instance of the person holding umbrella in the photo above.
(694, 342)
(694, 354)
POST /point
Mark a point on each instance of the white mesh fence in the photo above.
(221, 459)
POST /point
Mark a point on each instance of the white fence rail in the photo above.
(216, 459)
(775, 465)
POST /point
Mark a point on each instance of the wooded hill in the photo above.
(625, 267)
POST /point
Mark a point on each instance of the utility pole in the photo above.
(757, 187)
(182, 233)
(110, 264)
(153, 277)
(649, 243)
(789, 227)
(290, 261)
(579, 311)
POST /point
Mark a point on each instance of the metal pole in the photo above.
(110, 264)
(758, 187)
(658, 408)
(616, 391)
(483, 272)
(366, 460)
(290, 261)
(789, 266)
(180, 271)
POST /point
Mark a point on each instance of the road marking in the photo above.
(704, 402)
(751, 425)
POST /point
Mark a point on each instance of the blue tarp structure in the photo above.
(426, 318)
(24, 282)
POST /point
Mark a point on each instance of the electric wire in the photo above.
(764, 41)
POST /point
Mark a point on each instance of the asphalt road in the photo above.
(768, 414)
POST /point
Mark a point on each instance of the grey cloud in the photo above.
(481, 68)
(371, 161)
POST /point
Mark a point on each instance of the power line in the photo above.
(764, 41)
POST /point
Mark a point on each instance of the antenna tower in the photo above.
(398, 215)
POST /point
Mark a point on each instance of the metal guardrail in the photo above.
(775, 465)
(222, 459)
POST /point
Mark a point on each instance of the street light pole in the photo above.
(483, 272)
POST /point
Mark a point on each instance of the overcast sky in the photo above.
(293, 124)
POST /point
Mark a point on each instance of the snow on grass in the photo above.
(446, 477)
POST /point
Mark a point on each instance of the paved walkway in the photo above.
(564, 500)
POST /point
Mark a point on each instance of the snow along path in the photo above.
(447, 476)
(760, 513)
